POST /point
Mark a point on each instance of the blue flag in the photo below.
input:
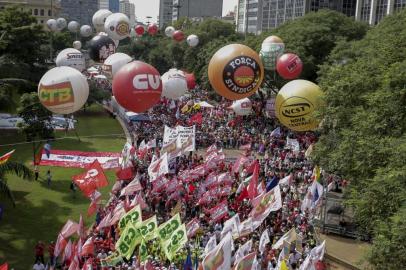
(188, 263)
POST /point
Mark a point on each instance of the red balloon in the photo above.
(289, 66)
(152, 29)
(139, 29)
(137, 86)
(178, 35)
(190, 80)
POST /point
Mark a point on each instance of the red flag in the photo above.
(88, 265)
(4, 266)
(196, 119)
(60, 245)
(252, 186)
(88, 247)
(238, 163)
(245, 146)
(81, 228)
(69, 228)
(219, 211)
(4, 158)
(132, 187)
(105, 221)
(125, 174)
(243, 195)
(74, 264)
(95, 198)
(67, 253)
(92, 179)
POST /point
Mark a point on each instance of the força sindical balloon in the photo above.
(289, 66)
(295, 105)
(77, 44)
(73, 26)
(61, 23)
(117, 26)
(113, 63)
(101, 47)
(242, 106)
(169, 31)
(235, 71)
(139, 30)
(192, 40)
(86, 30)
(272, 47)
(52, 25)
(152, 29)
(71, 57)
(178, 35)
(99, 18)
(63, 90)
(137, 86)
(174, 84)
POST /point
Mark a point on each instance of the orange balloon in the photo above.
(235, 71)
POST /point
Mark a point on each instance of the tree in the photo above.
(17, 169)
(96, 93)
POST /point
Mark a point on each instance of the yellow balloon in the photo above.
(295, 105)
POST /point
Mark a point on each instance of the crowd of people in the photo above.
(262, 141)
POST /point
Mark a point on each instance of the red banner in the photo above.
(91, 180)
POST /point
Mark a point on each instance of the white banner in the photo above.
(170, 134)
(179, 140)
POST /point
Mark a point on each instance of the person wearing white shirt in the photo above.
(38, 266)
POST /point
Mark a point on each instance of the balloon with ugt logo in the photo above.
(137, 86)
(235, 71)
(296, 103)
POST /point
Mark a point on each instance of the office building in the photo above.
(165, 12)
(196, 9)
(128, 9)
(373, 11)
(248, 16)
(42, 10)
(114, 5)
(79, 10)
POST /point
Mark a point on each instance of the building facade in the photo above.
(79, 10)
(114, 5)
(165, 12)
(128, 9)
(42, 10)
(196, 9)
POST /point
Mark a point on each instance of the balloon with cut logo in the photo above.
(192, 40)
(174, 84)
(140, 30)
(73, 26)
(77, 45)
(296, 103)
(169, 31)
(152, 29)
(63, 90)
(137, 86)
(117, 26)
(113, 64)
(71, 57)
(61, 23)
(242, 106)
(101, 47)
(86, 30)
(178, 35)
(289, 66)
(235, 71)
(99, 18)
(52, 24)
(272, 47)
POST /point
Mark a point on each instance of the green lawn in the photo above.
(41, 212)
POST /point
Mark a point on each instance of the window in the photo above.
(42, 21)
(41, 12)
(36, 12)
(49, 13)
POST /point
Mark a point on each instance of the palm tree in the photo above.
(15, 168)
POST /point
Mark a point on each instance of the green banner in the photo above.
(177, 240)
(143, 251)
(129, 239)
(165, 230)
(111, 260)
(133, 216)
(148, 228)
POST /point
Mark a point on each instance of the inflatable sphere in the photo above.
(289, 66)
(140, 30)
(152, 29)
(99, 18)
(174, 84)
(101, 47)
(235, 71)
(192, 40)
(52, 25)
(63, 90)
(113, 63)
(77, 45)
(242, 106)
(178, 35)
(190, 80)
(61, 23)
(86, 30)
(71, 58)
(169, 31)
(137, 86)
(73, 26)
(272, 47)
(117, 26)
(295, 105)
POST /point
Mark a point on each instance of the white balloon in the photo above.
(169, 31)
(174, 84)
(86, 30)
(99, 19)
(242, 106)
(117, 26)
(71, 58)
(73, 26)
(52, 24)
(113, 63)
(77, 45)
(102, 34)
(61, 23)
(192, 40)
(63, 90)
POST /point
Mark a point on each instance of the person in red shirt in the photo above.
(51, 249)
(39, 252)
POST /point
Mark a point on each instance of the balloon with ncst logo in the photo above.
(63, 90)
(235, 71)
(137, 86)
(296, 103)
(242, 106)
(71, 57)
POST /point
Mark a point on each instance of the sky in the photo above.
(145, 8)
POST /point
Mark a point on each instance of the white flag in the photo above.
(158, 167)
(210, 244)
(232, 225)
(151, 144)
(290, 236)
(264, 240)
(316, 254)
(243, 250)
(220, 257)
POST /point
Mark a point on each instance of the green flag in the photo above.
(133, 216)
(111, 260)
(148, 228)
(165, 230)
(143, 251)
(176, 241)
(129, 239)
